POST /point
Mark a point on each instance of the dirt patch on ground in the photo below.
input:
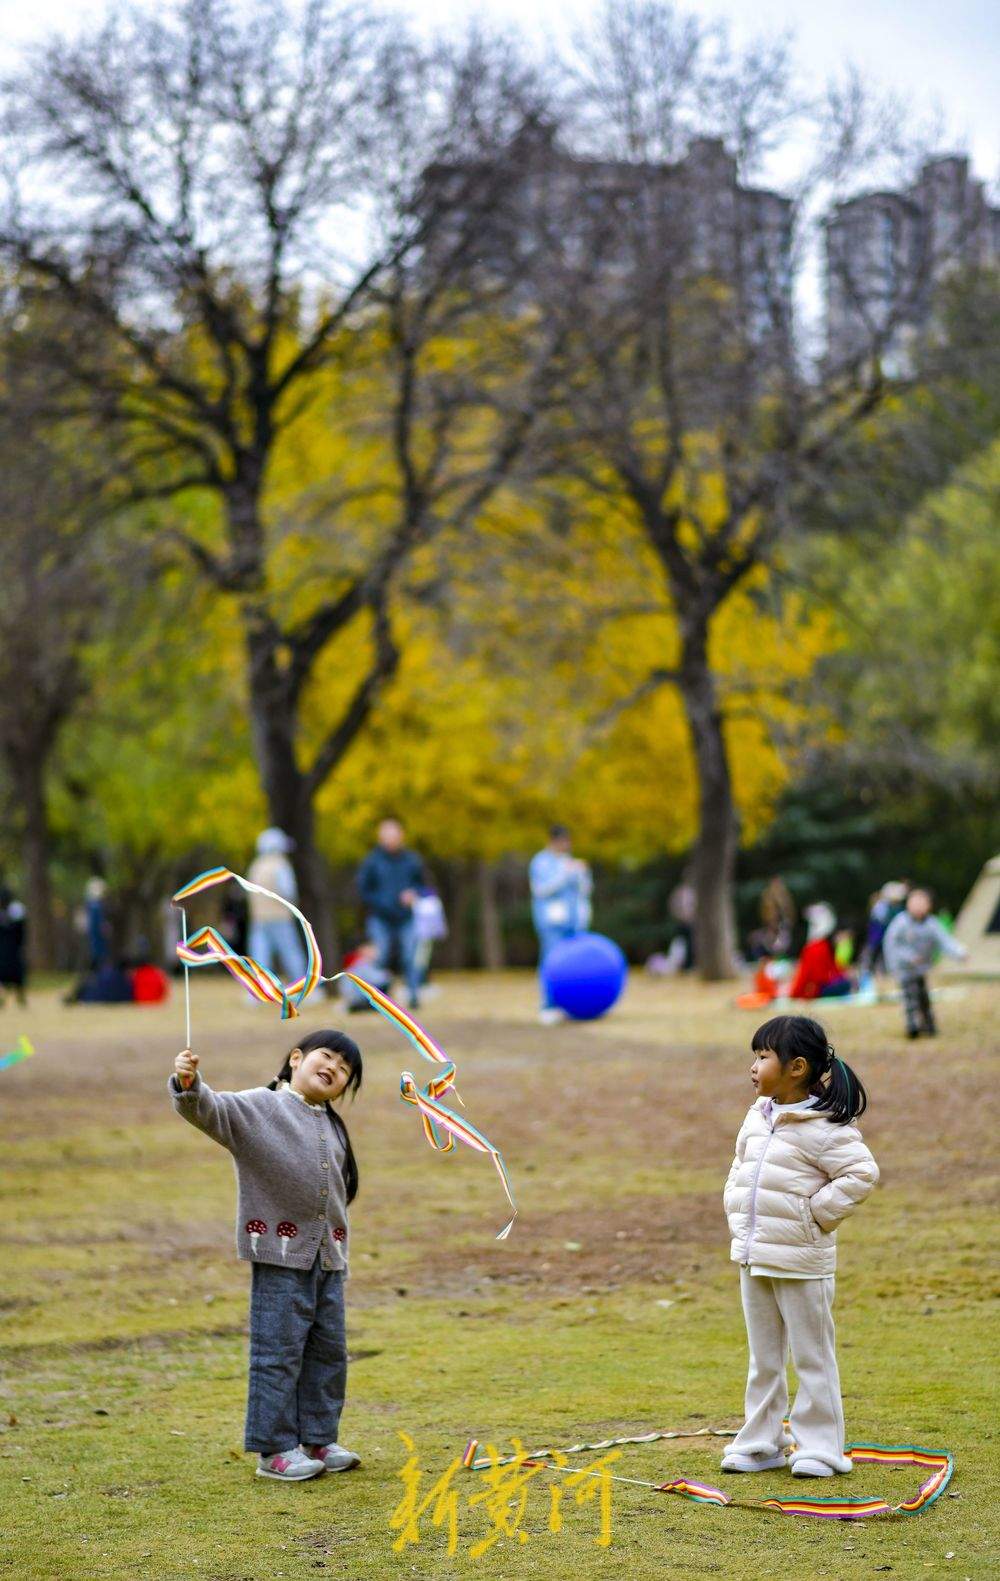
(638, 1239)
(617, 1134)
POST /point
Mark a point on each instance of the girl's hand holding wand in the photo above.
(186, 1067)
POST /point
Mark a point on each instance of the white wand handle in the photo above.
(186, 1080)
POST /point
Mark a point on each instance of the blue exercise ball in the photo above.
(584, 975)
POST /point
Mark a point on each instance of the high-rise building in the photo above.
(542, 213)
(886, 252)
(645, 223)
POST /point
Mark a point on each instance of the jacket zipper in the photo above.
(753, 1194)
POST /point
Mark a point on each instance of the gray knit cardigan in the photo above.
(291, 1201)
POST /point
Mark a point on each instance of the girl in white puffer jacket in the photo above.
(800, 1169)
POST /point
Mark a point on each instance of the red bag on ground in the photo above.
(150, 986)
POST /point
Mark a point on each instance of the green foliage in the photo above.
(915, 682)
(156, 766)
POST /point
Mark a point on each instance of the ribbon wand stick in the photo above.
(186, 1081)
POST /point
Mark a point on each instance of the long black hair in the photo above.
(337, 1043)
(832, 1083)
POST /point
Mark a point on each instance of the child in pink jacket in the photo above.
(800, 1169)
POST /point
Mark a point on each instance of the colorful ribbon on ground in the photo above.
(938, 1463)
(23, 1049)
(442, 1126)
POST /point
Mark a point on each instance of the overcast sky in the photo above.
(942, 56)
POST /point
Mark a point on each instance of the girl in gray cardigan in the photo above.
(296, 1174)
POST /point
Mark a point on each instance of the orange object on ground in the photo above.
(755, 1000)
(764, 982)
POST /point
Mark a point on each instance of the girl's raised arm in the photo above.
(224, 1116)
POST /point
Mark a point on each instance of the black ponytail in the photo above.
(337, 1043)
(349, 1168)
(832, 1082)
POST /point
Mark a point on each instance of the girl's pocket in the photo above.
(809, 1224)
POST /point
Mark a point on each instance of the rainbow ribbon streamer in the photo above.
(442, 1126)
(436, 1117)
(23, 1049)
(937, 1462)
(207, 947)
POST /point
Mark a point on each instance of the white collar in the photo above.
(790, 1108)
(287, 1087)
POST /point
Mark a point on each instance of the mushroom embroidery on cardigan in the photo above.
(286, 1232)
(255, 1229)
(340, 1234)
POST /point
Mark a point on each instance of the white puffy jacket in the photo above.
(795, 1177)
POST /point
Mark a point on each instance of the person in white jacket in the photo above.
(800, 1169)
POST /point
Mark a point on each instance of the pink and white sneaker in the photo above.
(290, 1465)
(334, 1456)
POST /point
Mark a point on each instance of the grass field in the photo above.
(611, 1309)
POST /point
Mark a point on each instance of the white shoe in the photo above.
(551, 1017)
(811, 1468)
(290, 1465)
(334, 1456)
(734, 1461)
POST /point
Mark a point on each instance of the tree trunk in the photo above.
(459, 895)
(714, 858)
(316, 890)
(290, 809)
(29, 774)
(289, 801)
(491, 947)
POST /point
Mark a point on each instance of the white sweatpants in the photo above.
(782, 1316)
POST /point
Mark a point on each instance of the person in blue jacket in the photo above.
(560, 902)
(389, 879)
(96, 923)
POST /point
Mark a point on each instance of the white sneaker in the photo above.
(290, 1465)
(334, 1456)
(812, 1468)
(551, 1017)
(737, 1462)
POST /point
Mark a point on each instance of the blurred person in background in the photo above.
(430, 925)
(363, 962)
(274, 938)
(13, 946)
(96, 924)
(913, 941)
(817, 975)
(389, 882)
(561, 886)
(777, 919)
(885, 904)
